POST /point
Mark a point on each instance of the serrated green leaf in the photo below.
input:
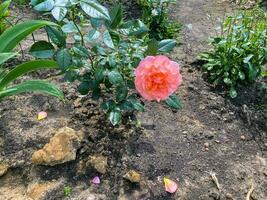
(93, 35)
(94, 9)
(69, 27)
(152, 48)
(121, 92)
(63, 58)
(57, 36)
(115, 117)
(59, 13)
(108, 40)
(174, 102)
(115, 77)
(167, 45)
(44, 6)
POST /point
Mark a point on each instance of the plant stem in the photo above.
(75, 24)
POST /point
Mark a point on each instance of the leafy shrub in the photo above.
(156, 17)
(104, 53)
(4, 13)
(9, 40)
(239, 52)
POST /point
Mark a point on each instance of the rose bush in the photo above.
(104, 54)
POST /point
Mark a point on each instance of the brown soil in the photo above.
(212, 134)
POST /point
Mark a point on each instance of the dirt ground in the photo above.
(211, 135)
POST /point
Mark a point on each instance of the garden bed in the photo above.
(211, 134)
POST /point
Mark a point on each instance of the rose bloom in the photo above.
(157, 77)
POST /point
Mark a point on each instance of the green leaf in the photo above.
(25, 68)
(59, 13)
(5, 56)
(63, 58)
(33, 86)
(227, 81)
(241, 75)
(96, 23)
(14, 35)
(248, 58)
(264, 74)
(115, 77)
(84, 87)
(134, 28)
(152, 48)
(81, 51)
(44, 6)
(167, 45)
(121, 92)
(108, 105)
(174, 102)
(93, 35)
(4, 8)
(108, 40)
(116, 16)
(57, 36)
(115, 117)
(233, 93)
(69, 27)
(99, 73)
(94, 9)
(42, 49)
(136, 104)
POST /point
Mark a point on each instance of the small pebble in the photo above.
(228, 196)
(243, 137)
(133, 176)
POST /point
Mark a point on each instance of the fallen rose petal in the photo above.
(41, 115)
(170, 186)
(96, 180)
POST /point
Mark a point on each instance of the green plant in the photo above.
(239, 52)
(155, 14)
(104, 58)
(4, 13)
(67, 191)
(9, 40)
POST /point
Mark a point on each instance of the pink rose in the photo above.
(157, 77)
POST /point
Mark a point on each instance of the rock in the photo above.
(206, 145)
(88, 195)
(133, 176)
(60, 149)
(99, 163)
(42, 191)
(228, 196)
(3, 168)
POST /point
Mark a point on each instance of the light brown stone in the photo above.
(133, 176)
(60, 149)
(99, 162)
(37, 191)
(3, 168)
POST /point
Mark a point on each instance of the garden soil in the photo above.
(214, 147)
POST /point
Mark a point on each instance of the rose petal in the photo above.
(170, 186)
(41, 115)
(96, 180)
